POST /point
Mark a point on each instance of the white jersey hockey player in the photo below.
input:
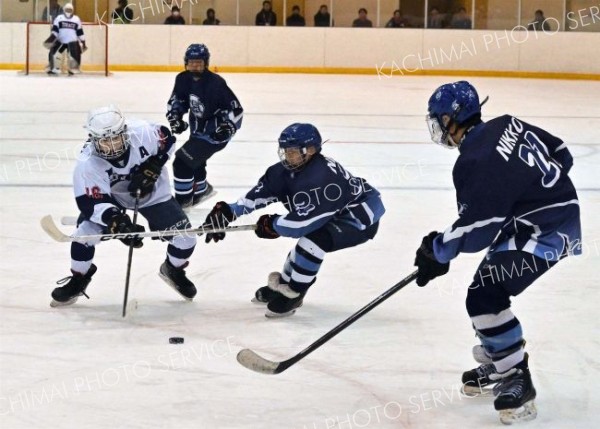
(65, 39)
(120, 159)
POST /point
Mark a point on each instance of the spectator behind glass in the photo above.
(539, 23)
(362, 20)
(123, 14)
(175, 18)
(435, 18)
(322, 17)
(55, 10)
(461, 19)
(397, 21)
(266, 16)
(211, 18)
(295, 19)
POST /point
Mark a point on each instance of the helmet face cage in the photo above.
(293, 158)
(439, 133)
(197, 51)
(111, 146)
(108, 132)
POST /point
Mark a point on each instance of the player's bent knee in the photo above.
(89, 228)
(184, 241)
(322, 238)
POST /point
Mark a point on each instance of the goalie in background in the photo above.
(67, 38)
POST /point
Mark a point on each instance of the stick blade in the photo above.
(254, 362)
(52, 230)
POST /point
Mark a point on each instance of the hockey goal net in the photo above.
(93, 60)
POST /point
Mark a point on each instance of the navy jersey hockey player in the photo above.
(67, 38)
(514, 197)
(215, 115)
(329, 209)
(120, 158)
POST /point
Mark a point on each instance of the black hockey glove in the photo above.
(429, 267)
(264, 227)
(224, 131)
(219, 217)
(120, 223)
(145, 176)
(177, 124)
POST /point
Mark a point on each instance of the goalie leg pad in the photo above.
(74, 56)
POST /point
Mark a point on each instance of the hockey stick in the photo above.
(136, 207)
(254, 362)
(56, 234)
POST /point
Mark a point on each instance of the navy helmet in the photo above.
(301, 137)
(460, 102)
(197, 51)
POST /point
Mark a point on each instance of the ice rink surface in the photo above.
(399, 367)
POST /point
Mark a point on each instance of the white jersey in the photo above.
(100, 185)
(68, 30)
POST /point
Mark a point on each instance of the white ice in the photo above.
(399, 367)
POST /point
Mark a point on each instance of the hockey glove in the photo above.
(120, 223)
(50, 41)
(177, 124)
(145, 176)
(83, 47)
(219, 217)
(224, 131)
(429, 267)
(264, 227)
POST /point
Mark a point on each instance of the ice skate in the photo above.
(69, 293)
(266, 293)
(190, 202)
(176, 278)
(515, 395)
(477, 382)
(284, 300)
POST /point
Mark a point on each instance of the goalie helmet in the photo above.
(460, 102)
(68, 10)
(108, 132)
(197, 51)
(294, 142)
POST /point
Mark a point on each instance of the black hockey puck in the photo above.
(176, 340)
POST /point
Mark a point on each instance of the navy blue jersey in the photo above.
(513, 193)
(209, 101)
(323, 190)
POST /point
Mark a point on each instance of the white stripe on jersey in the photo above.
(462, 230)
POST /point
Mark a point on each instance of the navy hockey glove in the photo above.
(145, 176)
(224, 131)
(219, 217)
(177, 124)
(429, 267)
(120, 223)
(264, 227)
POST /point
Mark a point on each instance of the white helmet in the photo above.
(108, 132)
(68, 6)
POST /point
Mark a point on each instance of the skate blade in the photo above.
(258, 302)
(475, 391)
(271, 315)
(172, 285)
(522, 414)
(54, 303)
